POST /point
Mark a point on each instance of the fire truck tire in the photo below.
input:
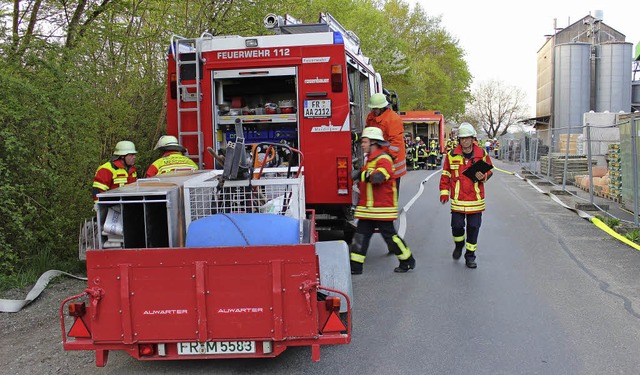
(335, 268)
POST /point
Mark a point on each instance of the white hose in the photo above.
(402, 217)
(15, 305)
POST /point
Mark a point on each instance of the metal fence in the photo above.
(599, 159)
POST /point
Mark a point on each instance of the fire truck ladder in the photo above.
(180, 49)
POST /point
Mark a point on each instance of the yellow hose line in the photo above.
(502, 170)
(598, 223)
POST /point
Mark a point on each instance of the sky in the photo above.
(501, 38)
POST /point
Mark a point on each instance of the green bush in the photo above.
(633, 235)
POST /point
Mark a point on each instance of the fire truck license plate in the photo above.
(317, 108)
(217, 347)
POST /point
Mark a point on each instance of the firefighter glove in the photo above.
(376, 178)
(444, 199)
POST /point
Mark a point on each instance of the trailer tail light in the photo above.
(336, 78)
(146, 350)
(343, 175)
(77, 309)
(333, 303)
(333, 323)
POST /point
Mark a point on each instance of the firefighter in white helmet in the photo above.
(172, 159)
(377, 204)
(119, 171)
(466, 194)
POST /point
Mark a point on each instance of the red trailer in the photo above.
(193, 266)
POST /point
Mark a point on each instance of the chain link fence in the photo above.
(599, 157)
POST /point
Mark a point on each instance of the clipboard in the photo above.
(478, 166)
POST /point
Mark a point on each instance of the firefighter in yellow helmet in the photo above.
(119, 171)
(384, 118)
(172, 159)
(432, 159)
(377, 204)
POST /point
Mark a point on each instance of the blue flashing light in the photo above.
(337, 38)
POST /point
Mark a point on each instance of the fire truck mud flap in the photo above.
(335, 270)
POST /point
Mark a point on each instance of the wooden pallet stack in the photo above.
(615, 172)
(576, 165)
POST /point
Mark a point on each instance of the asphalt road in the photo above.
(552, 294)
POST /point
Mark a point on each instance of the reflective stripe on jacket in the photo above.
(377, 201)
(111, 175)
(393, 131)
(171, 161)
(466, 196)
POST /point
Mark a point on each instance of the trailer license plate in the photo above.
(317, 108)
(217, 347)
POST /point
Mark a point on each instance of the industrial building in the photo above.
(586, 66)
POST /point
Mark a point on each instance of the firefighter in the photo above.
(383, 117)
(416, 154)
(172, 159)
(377, 205)
(467, 196)
(496, 147)
(408, 146)
(119, 171)
(423, 154)
(432, 160)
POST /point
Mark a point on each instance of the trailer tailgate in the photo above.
(203, 294)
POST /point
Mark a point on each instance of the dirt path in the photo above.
(31, 339)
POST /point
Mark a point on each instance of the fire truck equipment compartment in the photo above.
(243, 229)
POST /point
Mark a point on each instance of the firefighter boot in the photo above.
(470, 255)
(406, 265)
(471, 262)
(357, 255)
(457, 252)
(356, 268)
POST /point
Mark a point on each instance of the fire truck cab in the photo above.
(307, 86)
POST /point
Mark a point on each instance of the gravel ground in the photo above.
(31, 340)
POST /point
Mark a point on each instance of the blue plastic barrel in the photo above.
(243, 229)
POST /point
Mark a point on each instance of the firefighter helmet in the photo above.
(418, 139)
(374, 134)
(169, 142)
(124, 148)
(378, 100)
(466, 130)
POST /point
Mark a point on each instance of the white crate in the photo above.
(272, 193)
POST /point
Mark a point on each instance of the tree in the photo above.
(437, 77)
(495, 107)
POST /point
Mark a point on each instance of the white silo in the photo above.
(572, 86)
(613, 77)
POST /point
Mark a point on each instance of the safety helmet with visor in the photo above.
(378, 100)
(169, 142)
(124, 148)
(466, 130)
(374, 134)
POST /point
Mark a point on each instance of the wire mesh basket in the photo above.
(275, 192)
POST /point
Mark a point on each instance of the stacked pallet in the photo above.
(576, 165)
(615, 171)
(570, 142)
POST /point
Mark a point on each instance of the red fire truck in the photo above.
(427, 125)
(307, 86)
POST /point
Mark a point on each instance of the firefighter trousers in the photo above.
(472, 222)
(362, 238)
